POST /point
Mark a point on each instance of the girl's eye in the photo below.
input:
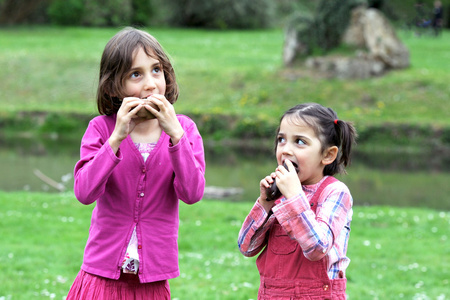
(281, 140)
(157, 70)
(134, 75)
(300, 142)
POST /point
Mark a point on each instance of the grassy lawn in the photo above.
(236, 73)
(397, 253)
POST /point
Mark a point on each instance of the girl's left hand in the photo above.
(288, 181)
(166, 116)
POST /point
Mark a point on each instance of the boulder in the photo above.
(359, 67)
(379, 48)
(369, 29)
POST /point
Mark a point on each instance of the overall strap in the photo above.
(314, 200)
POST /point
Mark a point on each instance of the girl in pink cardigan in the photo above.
(137, 160)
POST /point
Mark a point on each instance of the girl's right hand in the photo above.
(126, 121)
(264, 184)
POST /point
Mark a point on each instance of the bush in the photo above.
(321, 29)
(65, 12)
(107, 13)
(222, 14)
(100, 12)
(142, 12)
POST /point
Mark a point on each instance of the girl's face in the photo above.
(298, 142)
(146, 76)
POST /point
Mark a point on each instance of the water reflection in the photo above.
(382, 179)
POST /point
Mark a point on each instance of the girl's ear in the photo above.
(330, 155)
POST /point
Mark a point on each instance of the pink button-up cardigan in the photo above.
(130, 192)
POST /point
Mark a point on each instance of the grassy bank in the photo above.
(232, 83)
(396, 253)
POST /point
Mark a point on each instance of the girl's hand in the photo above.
(264, 184)
(288, 181)
(166, 116)
(126, 121)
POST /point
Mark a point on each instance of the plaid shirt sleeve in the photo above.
(252, 236)
(317, 233)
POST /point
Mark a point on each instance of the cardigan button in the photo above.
(325, 287)
(139, 246)
(142, 195)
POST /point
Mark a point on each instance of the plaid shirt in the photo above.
(326, 232)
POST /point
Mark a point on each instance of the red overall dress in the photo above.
(286, 274)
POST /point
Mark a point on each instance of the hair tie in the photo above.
(335, 121)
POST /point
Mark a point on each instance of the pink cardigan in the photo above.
(132, 193)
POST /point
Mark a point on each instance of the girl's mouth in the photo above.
(293, 163)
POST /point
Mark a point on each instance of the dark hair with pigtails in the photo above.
(329, 129)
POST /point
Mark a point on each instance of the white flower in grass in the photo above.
(420, 296)
(233, 287)
(61, 279)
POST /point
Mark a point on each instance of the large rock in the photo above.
(369, 29)
(359, 67)
(379, 48)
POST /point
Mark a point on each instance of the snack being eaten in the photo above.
(273, 193)
(144, 113)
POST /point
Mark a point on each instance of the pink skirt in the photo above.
(87, 286)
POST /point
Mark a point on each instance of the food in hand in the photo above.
(144, 113)
(272, 192)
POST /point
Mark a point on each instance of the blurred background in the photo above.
(238, 74)
(240, 64)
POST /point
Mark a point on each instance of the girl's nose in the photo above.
(149, 83)
(287, 149)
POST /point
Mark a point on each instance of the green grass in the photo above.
(236, 73)
(397, 253)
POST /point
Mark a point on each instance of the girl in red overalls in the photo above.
(303, 232)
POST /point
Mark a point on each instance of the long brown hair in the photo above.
(117, 59)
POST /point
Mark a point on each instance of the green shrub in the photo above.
(101, 13)
(222, 14)
(321, 29)
(65, 12)
(107, 13)
(142, 12)
(62, 125)
(254, 127)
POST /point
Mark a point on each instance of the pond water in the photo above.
(384, 179)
